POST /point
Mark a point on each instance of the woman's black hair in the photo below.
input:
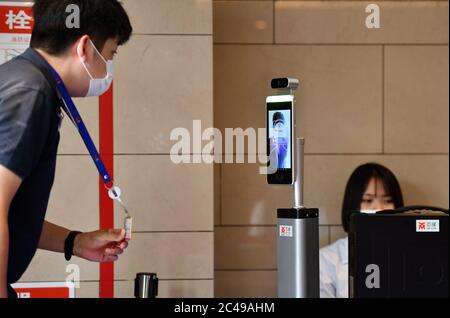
(357, 185)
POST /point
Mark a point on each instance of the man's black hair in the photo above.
(100, 19)
(357, 185)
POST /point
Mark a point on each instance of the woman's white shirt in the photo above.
(334, 270)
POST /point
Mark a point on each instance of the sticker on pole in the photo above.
(286, 230)
(427, 225)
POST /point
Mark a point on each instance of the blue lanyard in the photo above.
(75, 117)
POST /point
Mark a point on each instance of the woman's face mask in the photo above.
(98, 86)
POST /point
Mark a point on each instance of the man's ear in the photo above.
(83, 49)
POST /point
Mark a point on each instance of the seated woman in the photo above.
(371, 187)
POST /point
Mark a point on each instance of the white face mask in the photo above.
(98, 86)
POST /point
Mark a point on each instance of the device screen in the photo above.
(279, 140)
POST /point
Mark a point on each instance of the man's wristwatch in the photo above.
(68, 244)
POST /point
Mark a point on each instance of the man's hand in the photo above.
(100, 246)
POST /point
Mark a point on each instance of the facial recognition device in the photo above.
(297, 226)
(280, 137)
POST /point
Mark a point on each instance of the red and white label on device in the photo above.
(286, 230)
(16, 26)
(45, 290)
(427, 225)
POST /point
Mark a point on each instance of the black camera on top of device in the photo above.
(284, 83)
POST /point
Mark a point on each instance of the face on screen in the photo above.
(280, 136)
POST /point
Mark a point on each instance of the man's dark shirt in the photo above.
(29, 136)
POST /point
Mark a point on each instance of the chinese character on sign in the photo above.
(16, 26)
(20, 21)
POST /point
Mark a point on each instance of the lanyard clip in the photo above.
(115, 193)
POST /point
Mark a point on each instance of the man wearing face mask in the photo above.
(31, 110)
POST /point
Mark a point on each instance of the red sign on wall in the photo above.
(16, 25)
(16, 17)
(45, 290)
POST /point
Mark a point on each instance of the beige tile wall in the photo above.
(163, 80)
(366, 95)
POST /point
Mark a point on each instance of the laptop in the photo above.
(399, 253)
